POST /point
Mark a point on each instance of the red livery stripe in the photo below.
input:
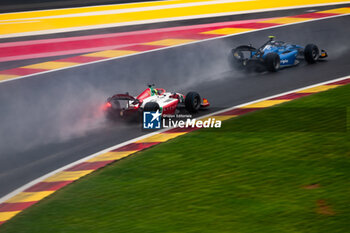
(48, 186)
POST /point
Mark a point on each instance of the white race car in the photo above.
(152, 100)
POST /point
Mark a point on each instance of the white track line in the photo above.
(38, 180)
(155, 50)
(91, 27)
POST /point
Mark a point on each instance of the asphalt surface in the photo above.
(52, 119)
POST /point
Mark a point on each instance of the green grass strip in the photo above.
(282, 169)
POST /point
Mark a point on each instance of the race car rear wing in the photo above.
(121, 97)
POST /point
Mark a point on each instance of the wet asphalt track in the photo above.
(52, 119)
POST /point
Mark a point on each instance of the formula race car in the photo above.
(152, 99)
(273, 55)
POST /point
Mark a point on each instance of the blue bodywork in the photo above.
(287, 52)
(273, 55)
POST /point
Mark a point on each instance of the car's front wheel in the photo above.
(192, 102)
(311, 53)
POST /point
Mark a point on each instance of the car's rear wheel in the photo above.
(151, 107)
(115, 104)
(113, 112)
(311, 53)
(272, 62)
(192, 102)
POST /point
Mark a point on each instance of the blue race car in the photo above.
(274, 55)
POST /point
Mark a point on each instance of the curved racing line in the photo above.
(37, 190)
(24, 197)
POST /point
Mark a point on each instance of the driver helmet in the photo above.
(154, 91)
(272, 39)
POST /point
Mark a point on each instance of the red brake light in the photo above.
(106, 106)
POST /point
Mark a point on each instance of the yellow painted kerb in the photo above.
(169, 42)
(51, 65)
(111, 53)
(160, 137)
(7, 76)
(265, 103)
(227, 31)
(345, 10)
(29, 196)
(285, 20)
(112, 156)
(94, 17)
(68, 175)
(318, 89)
(4, 216)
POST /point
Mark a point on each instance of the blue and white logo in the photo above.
(151, 120)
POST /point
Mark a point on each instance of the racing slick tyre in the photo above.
(115, 104)
(113, 112)
(272, 62)
(151, 107)
(192, 102)
(311, 53)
